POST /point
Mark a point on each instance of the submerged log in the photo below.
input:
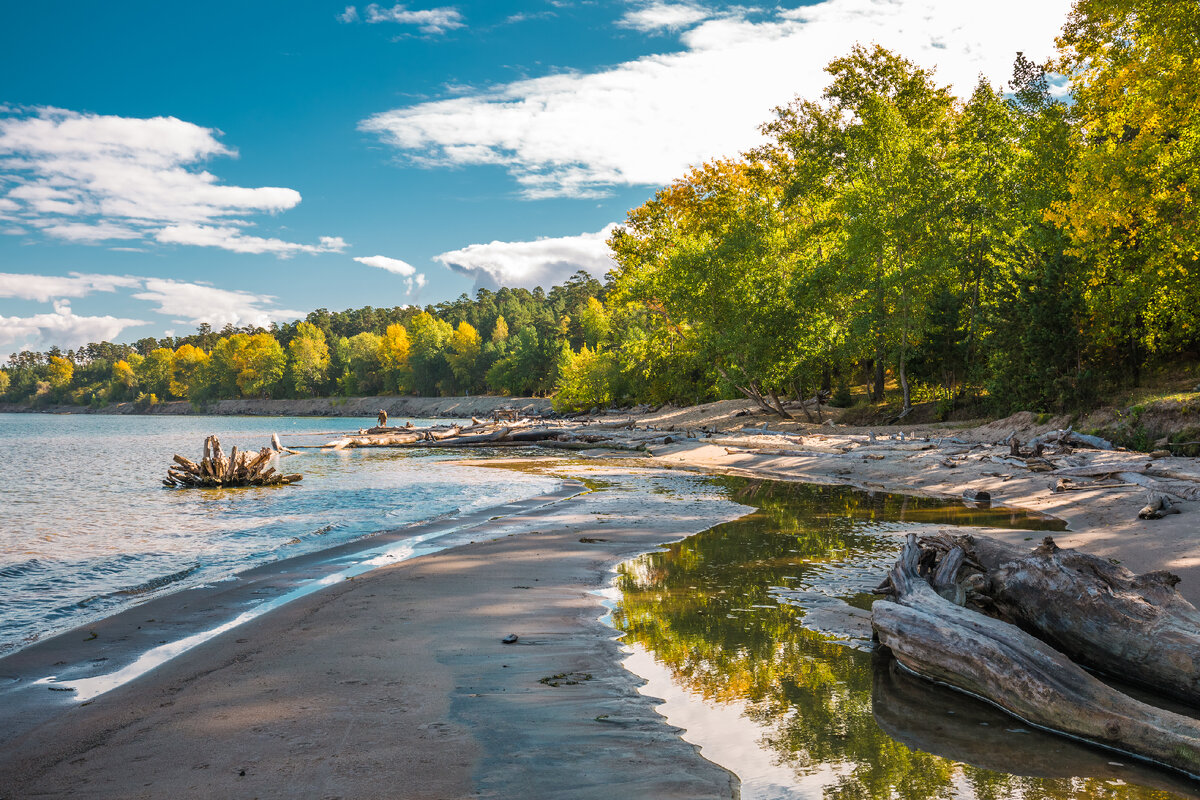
(216, 470)
(998, 662)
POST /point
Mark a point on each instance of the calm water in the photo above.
(717, 626)
(86, 527)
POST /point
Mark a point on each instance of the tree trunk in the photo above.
(1135, 627)
(991, 659)
(904, 386)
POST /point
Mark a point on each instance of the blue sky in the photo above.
(164, 164)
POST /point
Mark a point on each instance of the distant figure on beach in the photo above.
(382, 418)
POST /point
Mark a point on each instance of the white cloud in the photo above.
(431, 21)
(390, 264)
(644, 122)
(654, 17)
(232, 239)
(195, 303)
(542, 262)
(61, 327)
(44, 288)
(91, 178)
(413, 280)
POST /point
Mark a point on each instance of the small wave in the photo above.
(157, 583)
(22, 569)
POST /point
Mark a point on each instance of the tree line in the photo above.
(1022, 246)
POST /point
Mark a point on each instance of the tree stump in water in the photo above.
(217, 470)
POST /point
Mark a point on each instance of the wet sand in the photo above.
(397, 684)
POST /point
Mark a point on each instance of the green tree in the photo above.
(1134, 67)
(186, 370)
(593, 320)
(429, 339)
(585, 380)
(364, 357)
(309, 356)
(154, 373)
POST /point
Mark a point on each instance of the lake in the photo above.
(87, 529)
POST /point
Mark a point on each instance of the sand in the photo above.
(396, 684)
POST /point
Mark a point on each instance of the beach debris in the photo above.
(977, 495)
(566, 679)
(510, 639)
(215, 469)
(1157, 506)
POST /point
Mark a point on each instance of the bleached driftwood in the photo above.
(997, 661)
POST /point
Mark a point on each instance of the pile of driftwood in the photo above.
(1025, 630)
(218, 470)
(518, 433)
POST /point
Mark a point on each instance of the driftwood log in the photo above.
(215, 469)
(1135, 627)
(943, 641)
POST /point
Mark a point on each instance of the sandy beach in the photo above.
(397, 683)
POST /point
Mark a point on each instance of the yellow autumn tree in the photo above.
(393, 356)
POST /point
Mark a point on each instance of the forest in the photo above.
(1031, 246)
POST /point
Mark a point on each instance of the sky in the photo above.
(168, 164)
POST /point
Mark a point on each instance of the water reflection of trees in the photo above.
(694, 606)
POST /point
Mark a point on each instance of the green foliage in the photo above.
(309, 356)
(585, 380)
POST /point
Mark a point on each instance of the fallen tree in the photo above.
(1135, 627)
(943, 641)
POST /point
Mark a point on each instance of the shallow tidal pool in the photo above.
(728, 628)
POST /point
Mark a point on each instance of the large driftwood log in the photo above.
(217, 470)
(998, 662)
(1136, 627)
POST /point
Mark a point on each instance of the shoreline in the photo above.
(367, 407)
(444, 691)
(117, 642)
(450, 687)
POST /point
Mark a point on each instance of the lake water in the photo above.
(87, 529)
(719, 625)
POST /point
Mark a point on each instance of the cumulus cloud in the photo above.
(660, 16)
(61, 327)
(413, 280)
(644, 122)
(542, 262)
(390, 264)
(431, 21)
(89, 178)
(195, 303)
(45, 288)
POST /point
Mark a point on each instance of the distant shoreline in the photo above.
(396, 406)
